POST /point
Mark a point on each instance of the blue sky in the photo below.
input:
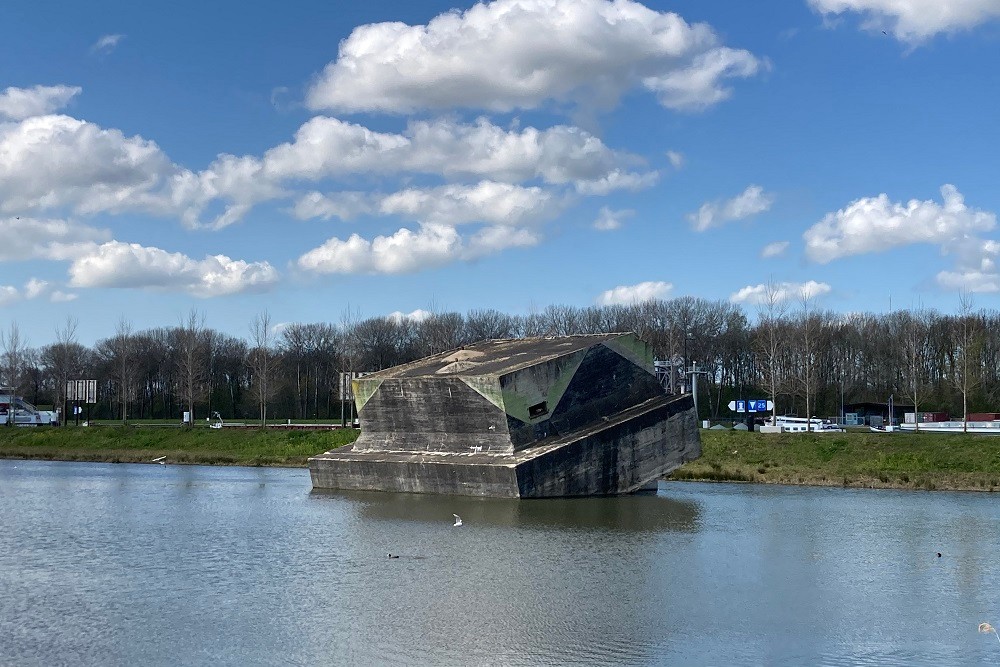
(318, 158)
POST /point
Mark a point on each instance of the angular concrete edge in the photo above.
(619, 455)
(625, 455)
(411, 474)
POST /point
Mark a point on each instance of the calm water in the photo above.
(129, 564)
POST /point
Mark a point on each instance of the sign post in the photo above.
(751, 407)
(81, 391)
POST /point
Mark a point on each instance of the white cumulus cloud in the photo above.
(914, 21)
(343, 205)
(492, 240)
(875, 224)
(783, 292)
(628, 294)
(608, 220)
(750, 202)
(970, 281)
(408, 251)
(8, 295)
(57, 162)
(328, 147)
(21, 103)
(776, 249)
(405, 251)
(58, 296)
(976, 267)
(130, 265)
(106, 44)
(418, 315)
(512, 54)
(35, 288)
(486, 201)
(62, 164)
(56, 240)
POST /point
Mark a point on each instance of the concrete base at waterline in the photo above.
(623, 453)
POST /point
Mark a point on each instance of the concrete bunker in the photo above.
(529, 418)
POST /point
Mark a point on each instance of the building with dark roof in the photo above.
(534, 417)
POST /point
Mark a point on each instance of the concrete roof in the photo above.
(495, 357)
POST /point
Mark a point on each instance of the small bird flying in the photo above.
(160, 459)
(458, 520)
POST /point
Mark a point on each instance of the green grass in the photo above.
(144, 442)
(854, 459)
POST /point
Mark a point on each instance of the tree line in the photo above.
(807, 360)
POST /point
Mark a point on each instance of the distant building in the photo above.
(534, 417)
(866, 410)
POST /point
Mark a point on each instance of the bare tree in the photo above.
(489, 324)
(769, 341)
(968, 340)
(193, 347)
(123, 346)
(15, 352)
(260, 359)
(913, 330)
(810, 329)
(440, 332)
(15, 348)
(63, 358)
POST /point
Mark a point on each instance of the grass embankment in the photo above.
(201, 445)
(853, 459)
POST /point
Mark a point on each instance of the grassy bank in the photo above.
(136, 444)
(854, 459)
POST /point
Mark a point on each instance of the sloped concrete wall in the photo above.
(431, 415)
(603, 383)
(619, 458)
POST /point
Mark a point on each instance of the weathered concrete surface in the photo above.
(621, 455)
(581, 415)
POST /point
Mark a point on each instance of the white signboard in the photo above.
(83, 391)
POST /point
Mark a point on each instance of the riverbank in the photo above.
(929, 461)
(855, 459)
(143, 443)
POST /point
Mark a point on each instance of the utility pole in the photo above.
(694, 373)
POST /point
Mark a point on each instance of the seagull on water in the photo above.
(458, 520)
(389, 555)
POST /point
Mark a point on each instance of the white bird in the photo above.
(458, 520)
(160, 459)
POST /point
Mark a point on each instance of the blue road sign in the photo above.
(753, 405)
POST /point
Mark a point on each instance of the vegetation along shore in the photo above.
(144, 442)
(926, 461)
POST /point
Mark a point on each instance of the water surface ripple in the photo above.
(105, 564)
